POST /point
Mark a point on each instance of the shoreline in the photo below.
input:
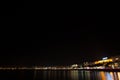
(60, 69)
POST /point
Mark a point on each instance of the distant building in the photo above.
(113, 62)
(74, 66)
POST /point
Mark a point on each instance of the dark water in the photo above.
(58, 75)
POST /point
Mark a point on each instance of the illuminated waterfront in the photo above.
(105, 69)
(104, 64)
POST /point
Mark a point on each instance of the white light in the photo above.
(105, 58)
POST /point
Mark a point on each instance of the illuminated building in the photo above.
(74, 66)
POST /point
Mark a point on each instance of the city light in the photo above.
(105, 58)
(103, 61)
(112, 63)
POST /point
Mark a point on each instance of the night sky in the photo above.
(56, 38)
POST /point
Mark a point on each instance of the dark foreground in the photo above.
(58, 75)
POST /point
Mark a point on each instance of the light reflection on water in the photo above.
(109, 75)
(77, 75)
(74, 75)
(118, 75)
(59, 75)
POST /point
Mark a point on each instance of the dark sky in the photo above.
(56, 39)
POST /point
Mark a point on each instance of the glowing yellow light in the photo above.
(100, 61)
(110, 60)
(96, 62)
